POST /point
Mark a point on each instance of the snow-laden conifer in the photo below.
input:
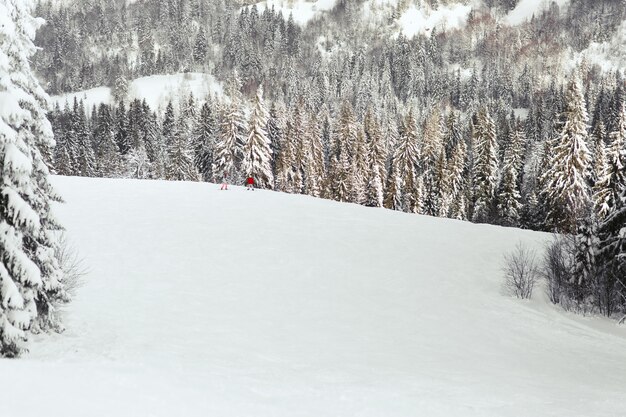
(485, 167)
(567, 181)
(612, 178)
(257, 152)
(30, 274)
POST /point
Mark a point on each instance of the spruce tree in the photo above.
(340, 172)
(378, 158)
(206, 130)
(30, 273)
(567, 182)
(228, 147)
(406, 164)
(485, 168)
(257, 152)
(612, 177)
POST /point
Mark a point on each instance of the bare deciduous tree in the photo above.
(521, 272)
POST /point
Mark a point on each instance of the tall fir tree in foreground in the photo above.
(30, 274)
(257, 152)
(567, 180)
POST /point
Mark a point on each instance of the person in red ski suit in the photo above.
(250, 183)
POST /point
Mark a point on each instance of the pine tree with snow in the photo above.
(378, 158)
(180, 159)
(340, 172)
(65, 152)
(122, 136)
(85, 158)
(611, 255)
(599, 151)
(206, 131)
(613, 176)
(108, 159)
(485, 168)
(229, 145)
(433, 167)
(314, 176)
(406, 160)
(457, 181)
(360, 168)
(30, 274)
(257, 152)
(567, 182)
(508, 198)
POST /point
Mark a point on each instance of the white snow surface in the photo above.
(525, 9)
(303, 10)
(157, 90)
(202, 302)
(422, 20)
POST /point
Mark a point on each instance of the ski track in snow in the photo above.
(202, 302)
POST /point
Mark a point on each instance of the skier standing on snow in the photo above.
(250, 183)
(224, 181)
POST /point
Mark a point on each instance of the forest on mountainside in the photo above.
(509, 125)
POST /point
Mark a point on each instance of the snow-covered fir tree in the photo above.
(228, 147)
(485, 168)
(509, 197)
(30, 273)
(205, 134)
(257, 152)
(567, 181)
(406, 163)
(180, 158)
(612, 178)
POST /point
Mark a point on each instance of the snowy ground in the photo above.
(208, 303)
(157, 90)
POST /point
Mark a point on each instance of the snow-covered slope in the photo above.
(157, 90)
(202, 302)
(302, 11)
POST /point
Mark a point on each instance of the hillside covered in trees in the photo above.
(512, 124)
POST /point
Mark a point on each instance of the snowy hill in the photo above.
(207, 303)
(157, 90)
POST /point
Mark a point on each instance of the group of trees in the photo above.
(31, 274)
(485, 123)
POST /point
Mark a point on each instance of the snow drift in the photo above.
(200, 302)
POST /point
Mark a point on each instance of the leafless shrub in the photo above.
(521, 272)
(557, 269)
(71, 264)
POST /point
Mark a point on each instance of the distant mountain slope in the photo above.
(200, 302)
(157, 90)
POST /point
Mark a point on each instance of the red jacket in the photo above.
(250, 181)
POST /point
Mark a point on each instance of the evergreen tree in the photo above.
(457, 182)
(180, 159)
(340, 173)
(122, 132)
(377, 158)
(613, 177)
(107, 153)
(228, 148)
(611, 256)
(567, 181)
(205, 141)
(314, 166)
(257, 152)
(85, 158)
(406, 160)
(508, 193)
(30, 273)
(486, 167)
